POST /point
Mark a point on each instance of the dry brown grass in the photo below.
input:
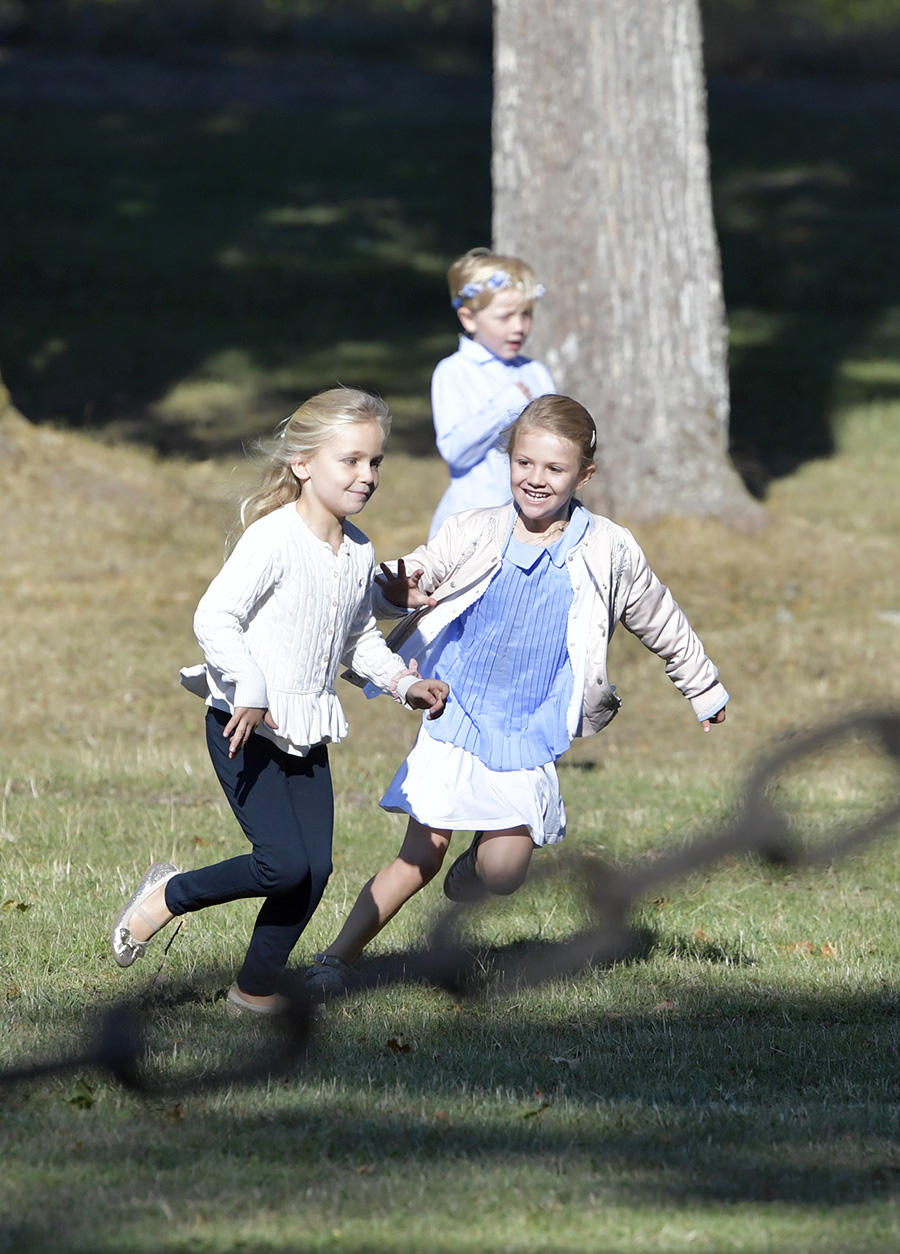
(107, 549)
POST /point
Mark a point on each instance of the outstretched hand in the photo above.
(401, 589)
(242, 724)
(428, 694)
(718, 717)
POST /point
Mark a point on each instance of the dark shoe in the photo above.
(462, 883)
(327, 977)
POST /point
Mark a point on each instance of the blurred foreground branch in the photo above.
(119, 1042)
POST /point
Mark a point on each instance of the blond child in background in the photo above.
(480, 390)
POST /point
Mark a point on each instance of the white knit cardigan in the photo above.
(283, 613)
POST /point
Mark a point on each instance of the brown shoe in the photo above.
(462, 882)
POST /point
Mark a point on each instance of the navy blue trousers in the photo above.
(285, 805)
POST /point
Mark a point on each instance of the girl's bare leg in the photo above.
(502, 860)
(502, 866)
(418, 861)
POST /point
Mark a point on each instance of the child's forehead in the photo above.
(358, 437)
(509, 300)
(538, 441)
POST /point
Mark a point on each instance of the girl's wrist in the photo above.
(403, 681)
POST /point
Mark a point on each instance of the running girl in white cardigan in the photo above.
(290, 604)
(515, 607)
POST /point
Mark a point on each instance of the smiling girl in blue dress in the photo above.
(514, 607)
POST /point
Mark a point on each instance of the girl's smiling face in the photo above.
(545, 473)
(338, 479)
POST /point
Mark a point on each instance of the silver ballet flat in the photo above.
(126, 949)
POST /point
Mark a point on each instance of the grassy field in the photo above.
(178, 275)
(736, 1089)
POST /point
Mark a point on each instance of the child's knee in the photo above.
(282, 876)
(503, 865)
(423, 852)
(503, 883)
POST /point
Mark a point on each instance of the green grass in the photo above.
(180, 278)
(734, 1088)
(183, 278)
(806, 196)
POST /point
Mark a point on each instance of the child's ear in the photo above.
(467, 318)
(587, 473)
(300, 469)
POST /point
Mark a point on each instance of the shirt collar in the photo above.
(579, 526)
(483, 356)
(526, 556)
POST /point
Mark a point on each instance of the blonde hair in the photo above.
(475, 278)
(559, 416)
(308, 428)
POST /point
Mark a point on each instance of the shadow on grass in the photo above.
(183, 276)
(807, 199)
(719, 1097)
(252, 255)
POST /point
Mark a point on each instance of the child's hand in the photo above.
(719, 717)
(524, 390)
(428, 694)
(242, 724)
(401, 589)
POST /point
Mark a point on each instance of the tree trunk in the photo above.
(601, 182)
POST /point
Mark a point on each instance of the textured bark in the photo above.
(601, 182)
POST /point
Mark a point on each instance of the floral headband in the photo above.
(493, 283)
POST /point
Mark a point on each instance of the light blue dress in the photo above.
(507, 662)
(489, 763)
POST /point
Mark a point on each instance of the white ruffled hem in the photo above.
(443, 786)
(302, 719)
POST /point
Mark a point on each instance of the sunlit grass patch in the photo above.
(731, 1086)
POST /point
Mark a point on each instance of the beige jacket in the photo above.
(611, 582)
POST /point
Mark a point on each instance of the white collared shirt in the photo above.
(474, 398)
